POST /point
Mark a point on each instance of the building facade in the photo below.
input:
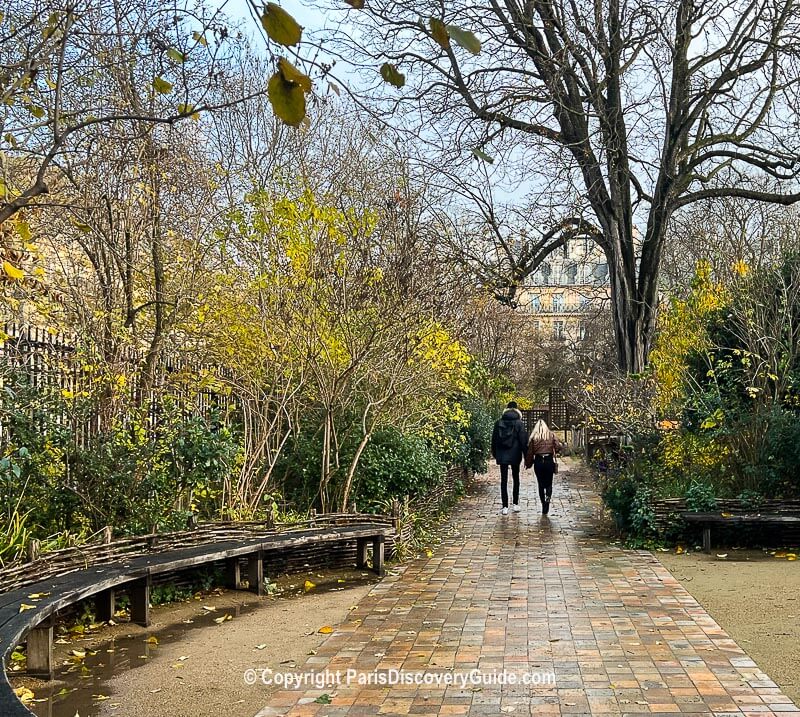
(568, 291)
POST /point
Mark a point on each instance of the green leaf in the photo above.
(176, 55)
(288, 100)
(464, 38)
(161, 86)
(439, 32)
(199, 38)
(280, 26)
(324, 699)
(480, 154)
(36, 111)
(392, 75)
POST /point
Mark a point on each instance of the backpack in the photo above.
(505, 434)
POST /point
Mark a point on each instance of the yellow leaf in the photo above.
(791, 556)
(392, 75)
(199, 39)
(78, 654)
(780, 554)
(38, 596)
(439, 32)
(220, 620)
(292, 74)
(325, 630)
(679, 550)
(288, 100)
(24, 694)
(308, 585)
(152, 640)
(280, 25)
(23, 230)
(12, 272)
(161, 86)
(24, 606)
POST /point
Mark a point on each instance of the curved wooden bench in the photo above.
(706, 520)
(36, 624)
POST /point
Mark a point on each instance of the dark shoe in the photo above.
(546, 507)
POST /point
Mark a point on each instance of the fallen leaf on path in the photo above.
(24, 606)
(24, 694)
(308, 585)
(323, 699)
(38, 596)
(224, 618)
(261, 646)
(100, 698)
(152, 640)
(722, 555)
(325, 630)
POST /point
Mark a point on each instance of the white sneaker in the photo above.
(515, 508)
(504, 511)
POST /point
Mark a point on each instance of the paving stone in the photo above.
(524, 595)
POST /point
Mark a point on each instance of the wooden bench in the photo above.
(707, 520)
(135, 574)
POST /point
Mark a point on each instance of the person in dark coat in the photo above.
(509, 441)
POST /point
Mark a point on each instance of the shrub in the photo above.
(396, 464)
(700, 498)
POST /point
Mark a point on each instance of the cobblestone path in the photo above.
(580, 626)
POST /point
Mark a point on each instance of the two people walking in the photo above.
(511, 442)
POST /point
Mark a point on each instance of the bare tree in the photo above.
(734, 235)
(62, 64)
(633, 110)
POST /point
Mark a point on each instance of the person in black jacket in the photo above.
(509, 441)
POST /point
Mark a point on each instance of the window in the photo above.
(558, 302)
(558, 329)
(600, 273)
(537, 326)
(545, 272)
(571, 273)
(536, 303)
(582, 330)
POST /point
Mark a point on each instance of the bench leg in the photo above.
(105, 605)
(707, 539)
(233, 573)
(361, 552)
(378, 547)
(40, 652)
(255, 572)
(140, 602)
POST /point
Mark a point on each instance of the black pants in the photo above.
(504, 483)
(543, 468)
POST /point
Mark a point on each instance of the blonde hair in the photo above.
(541, 431)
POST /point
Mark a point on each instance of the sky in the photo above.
(308, 16)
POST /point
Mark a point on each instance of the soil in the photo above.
(755, 597)
(191, 661)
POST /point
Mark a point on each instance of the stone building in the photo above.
(568, 291)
